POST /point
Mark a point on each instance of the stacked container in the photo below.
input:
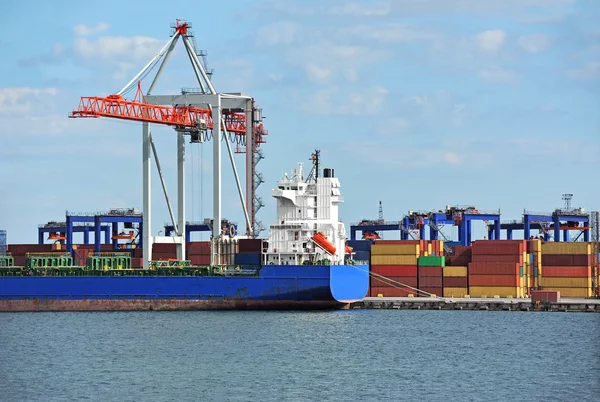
(567, 268)
(455, 281)
(164, 251)
(497, 268)
(430, 274)
(534, 266)
(461, 256)
(249, 252)
(361, 249)
(198, 253)
(397, 261)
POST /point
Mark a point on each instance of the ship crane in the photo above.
(194, 114)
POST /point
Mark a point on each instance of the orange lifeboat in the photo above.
(322, 242)
(349, 250)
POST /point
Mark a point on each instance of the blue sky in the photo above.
(418, 104)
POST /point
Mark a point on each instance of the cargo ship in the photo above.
(304, 264)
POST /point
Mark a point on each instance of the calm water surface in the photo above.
(371, 355)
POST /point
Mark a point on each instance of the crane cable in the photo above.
(393, 283)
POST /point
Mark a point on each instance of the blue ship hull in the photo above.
(275, 287)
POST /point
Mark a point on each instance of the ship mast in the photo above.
(314, 172)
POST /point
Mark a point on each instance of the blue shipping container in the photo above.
(360, 245)
(362, 256)
(247, 259)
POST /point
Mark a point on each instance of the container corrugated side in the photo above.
(455, 281)
(567, 282)
(393, 259)
(568, 272)
(454, 271)
(455, 292)
(491, 291)
(395, 270)
(491, 268)
(432, 261)
(495, 280)
(394, 281)
(571, 292)
(391, 292)
(567, 248)
(396, 249)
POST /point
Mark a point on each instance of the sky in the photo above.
(416, 103)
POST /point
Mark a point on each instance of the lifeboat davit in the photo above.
(322, 242)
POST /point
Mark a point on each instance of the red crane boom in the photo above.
(189, 117)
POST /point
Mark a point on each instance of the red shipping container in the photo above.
(429, 271)
(567, 272)
(494, 280)
(436, 291)
(19, 260)
(458, 261)
(198, 247)
(250, 246)
(394, 281)
(392, 292)
(498, 258)
(137, 263)
(455, 282)
(545, 296)
(462, 251)
(163, 248)
(430, 281)
(563, 260)
(493, 268)
(499, 247)
(395, 270)
(200, 260)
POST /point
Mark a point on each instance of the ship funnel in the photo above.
(327, 172)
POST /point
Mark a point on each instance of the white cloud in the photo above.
(280, 33)
(497, 74)
(386, 33)
(83, 30)
(534, 43)
(121, 48)
(332, 100)
(590, 71)
(491, 40)
(364, 10)
(451, 158)
(316, 73)
(22, 100)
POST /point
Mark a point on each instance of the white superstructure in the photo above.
(305, 207)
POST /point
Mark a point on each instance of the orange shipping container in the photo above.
(568, 272)
(393, 281)
(395, 270)
(494, 268)
(391, 292)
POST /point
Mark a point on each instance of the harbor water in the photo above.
(352, 355)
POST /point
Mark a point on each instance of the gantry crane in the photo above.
(201, 115)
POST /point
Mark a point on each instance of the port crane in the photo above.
(201, 115)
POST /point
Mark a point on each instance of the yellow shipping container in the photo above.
(536, 245)
(456, 292)
(567, 248)
(395, 249)
(567, 282)
(455, 271)
(572, 292)
(393, 260)
(491, 291)
(429, 248)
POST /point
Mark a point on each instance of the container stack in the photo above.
(567, 268)
(164, 252)
(395, 260)
(461, 256)
(455, 281)
(249, 252)
(198, 253)
(497, 268)
(430, 274)
(361, 249)
(533, 264)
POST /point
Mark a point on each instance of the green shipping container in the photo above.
(432, 261)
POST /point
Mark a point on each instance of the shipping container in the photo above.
(394, 281)
(360, 245)
(567, 248)
(395, 270)
(456, 281)
(434, 291)
(362, 256)
(571, 292)
(393, 259)
(430, 282)
(499, 247)
(248, 259)
(395, 249)
(545, 296)
(430, 271)
(250, 246)
(566, 282)
(391, 292)
(200, 260)
(456, 292)
(568, 272)
(455, 271)
(461, 260)
(494, 268)
(491, 291)
(495, 280)
(566, 259)
(515, 258)
(432, 261)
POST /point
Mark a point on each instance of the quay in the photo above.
(489, 304)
